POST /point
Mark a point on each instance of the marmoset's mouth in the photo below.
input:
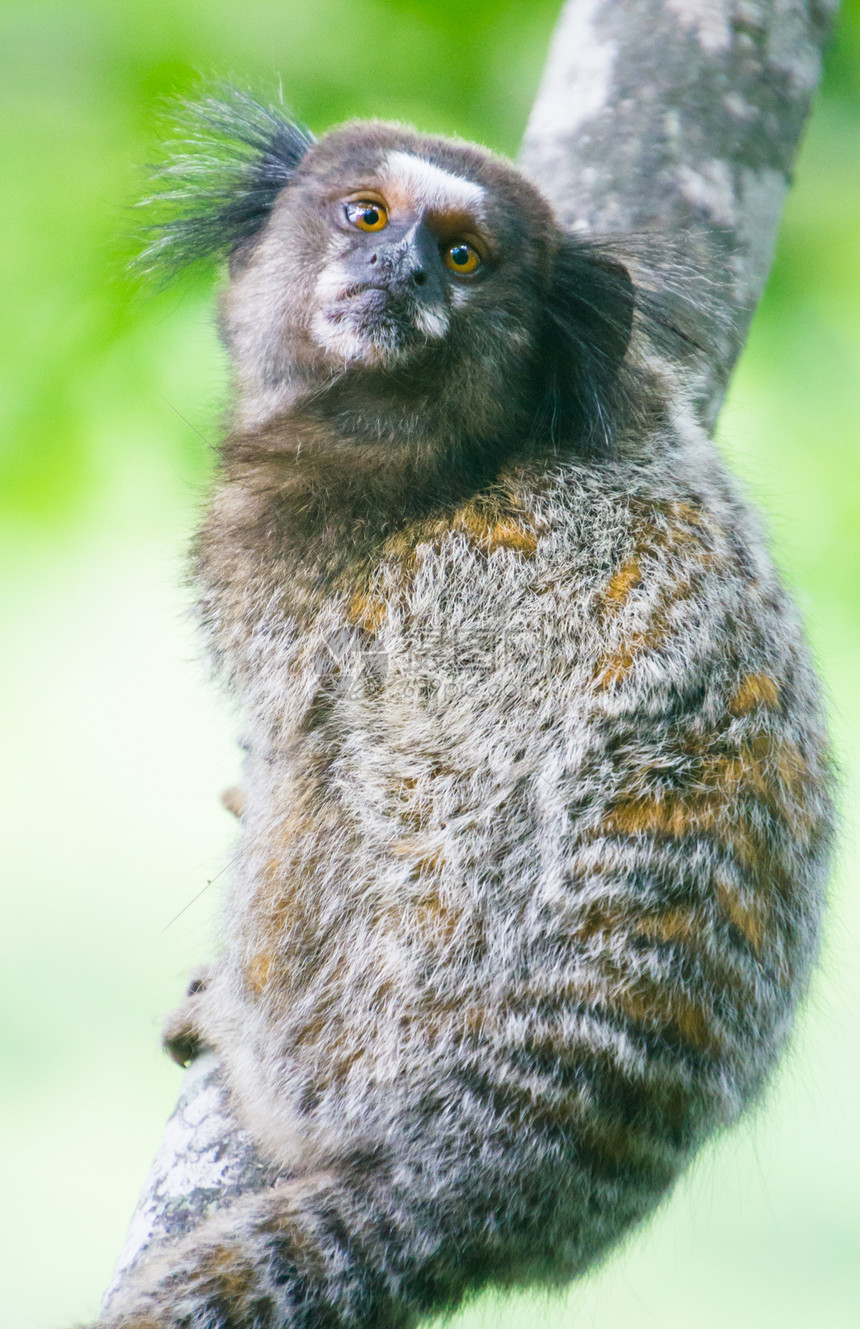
(370, 310)
(372, 322)
(368, 296)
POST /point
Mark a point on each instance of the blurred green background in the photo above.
(115, 746)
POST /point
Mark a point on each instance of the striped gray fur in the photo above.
(532, 856)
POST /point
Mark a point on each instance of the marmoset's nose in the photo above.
(409, 264)
(400, 271)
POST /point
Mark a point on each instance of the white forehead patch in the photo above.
(431, 187)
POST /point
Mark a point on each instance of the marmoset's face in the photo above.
(387, 248)
(410, 244)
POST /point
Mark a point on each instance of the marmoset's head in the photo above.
(404, 263)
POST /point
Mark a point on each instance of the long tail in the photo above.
(388, 1236)
(320, 1252)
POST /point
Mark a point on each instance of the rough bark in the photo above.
(669, 116)
(205, 1159)
(680, 117)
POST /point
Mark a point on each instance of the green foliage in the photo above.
(117, 747)
(85, 87)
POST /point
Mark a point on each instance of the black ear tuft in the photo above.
(217, 191)
(602, 327)
(588, 325)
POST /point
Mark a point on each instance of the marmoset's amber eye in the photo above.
(462, 257)
(367, 216)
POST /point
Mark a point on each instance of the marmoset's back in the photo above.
(536, 817)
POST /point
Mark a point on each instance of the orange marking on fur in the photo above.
(713, 813)
(650, 1003)
(489, 528)
(673, 925)
(471, 522)
(511, 535)
(402, 546)
(429, 861)
(642, 999)
(663, 1006)
(794, 772)
(685, 512)
(746, 845)
(679, 927)
(258, 970)
(670, 925)
(222, 1273)
(367, 612)
(771, 768)
(667, 814)
(436, 920)
(278, 1221)
(754, 690)
(653, 536)
(597, 917)
(741, 772)
(749, 919)
(626, 579)
(667, 925)
(278, 912)
(614, 667)
(767, 768)
(485, 523)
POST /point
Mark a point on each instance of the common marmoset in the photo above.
(537, 810)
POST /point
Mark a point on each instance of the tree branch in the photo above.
(680, 116)
(666, 116)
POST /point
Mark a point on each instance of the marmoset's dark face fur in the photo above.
(416, 291)
(394, 252)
